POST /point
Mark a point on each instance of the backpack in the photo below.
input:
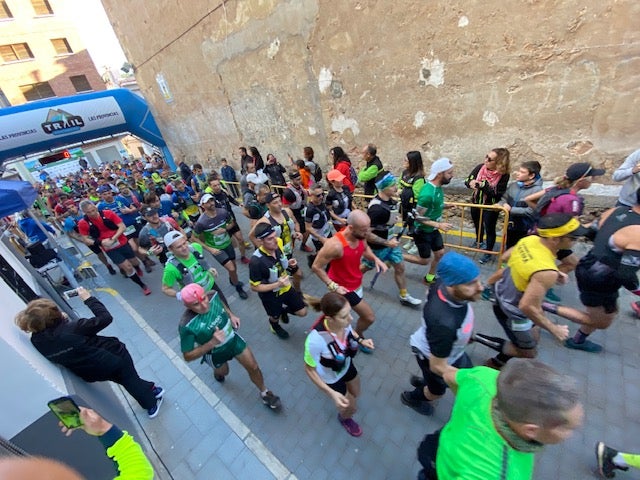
(353, 175)
(317, 174)
(547, 199)
(94, 232)
(186, 275)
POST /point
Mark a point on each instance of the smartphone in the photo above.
(67, 411)
(70, 293)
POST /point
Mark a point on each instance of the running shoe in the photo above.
(586, 346)
(364, 349)
(158, 392)
(146, 290)
(153, 411)
(218, 378)
(306, 248)
(486, 258)
(112, 271)
(605, 455)
(350, 426)
(635, 306)
(423, 407)
(271, 400)
(241, 293)
(245, 260)
(552, 297)
(409, 300)
(413, 250)
(280, 332)
(416, 381)
(489, 294)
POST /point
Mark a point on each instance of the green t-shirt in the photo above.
(202, 277)
(199, 328)
(470, 448)
(430, 204)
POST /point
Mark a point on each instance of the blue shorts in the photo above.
(389, 255)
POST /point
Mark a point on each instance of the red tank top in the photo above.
(345, 271)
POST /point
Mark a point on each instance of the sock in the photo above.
(136, 279)
(403, 292)
(430, 277)
(262, 394)
(580, 336)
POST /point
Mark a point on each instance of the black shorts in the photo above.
(598, 285)
(120, 254)
(234, 229)
(95, 248)
(300, 218)
(522, 339)
(436, 383)
(563, 253)
(274, 304)
(353, 298)
(341, 385)
(226, 254)
(426, 242)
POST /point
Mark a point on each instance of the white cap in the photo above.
(205, 198)
(253, 178)
(172, 237)
(441, 165)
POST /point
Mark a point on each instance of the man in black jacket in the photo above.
(76, 345)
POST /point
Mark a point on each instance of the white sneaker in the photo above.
(413, 250)
(408, 245)
(409, 300)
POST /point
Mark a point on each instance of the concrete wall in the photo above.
(553, 81)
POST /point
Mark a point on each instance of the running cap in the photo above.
(456, 269)
(192, 293)
(271, 196)
(253, 178)
(581, 170)
(441, 165)
(263, 230)
(335, 175)
(556, 225)
(148, 211)
(294, 174)
(172, 237)
(104, 189)
(205, 198)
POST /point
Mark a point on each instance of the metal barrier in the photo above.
(454, 238)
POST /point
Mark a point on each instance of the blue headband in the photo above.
(456, 269)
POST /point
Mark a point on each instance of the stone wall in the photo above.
(553, 81)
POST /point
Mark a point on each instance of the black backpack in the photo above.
(317, 175)
(94, 232)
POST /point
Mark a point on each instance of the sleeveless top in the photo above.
(346, 270)
(603, 249)
(528, 257)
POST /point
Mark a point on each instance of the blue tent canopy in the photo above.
(16, 196)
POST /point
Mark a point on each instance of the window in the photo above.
(37, 91)
(61, 46)
(42, 7)
(80, 83)
(4, 10)
(15, 52)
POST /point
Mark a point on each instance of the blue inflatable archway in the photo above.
(54, 123)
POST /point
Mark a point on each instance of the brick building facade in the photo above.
(42, 54)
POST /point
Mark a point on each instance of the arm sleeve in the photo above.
(624, 171)
(368, 173)
(131, 461)
(102, 318)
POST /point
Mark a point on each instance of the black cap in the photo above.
(148, 211)
(581, 170)
(263, 230)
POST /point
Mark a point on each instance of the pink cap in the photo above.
(335, 175)
(192, 293)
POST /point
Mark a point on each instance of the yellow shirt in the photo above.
(529, 256)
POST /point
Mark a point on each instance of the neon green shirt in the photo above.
(470, 448)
